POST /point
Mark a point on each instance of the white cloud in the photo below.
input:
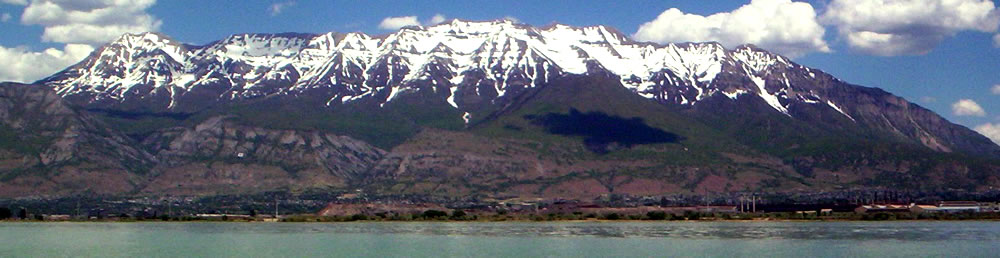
(276, 8)
(787, 27)
(4, 17)
(394, 23)
(996, 40)
(91, 22)
(928, 99)
(967, 107)
(911, 27)
(438, 18)
(512, 19)
(995, 90)
(990, 130)
(23, 65)
(80, 24)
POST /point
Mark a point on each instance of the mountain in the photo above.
(499, 108)
(48, 147)
(51, 149)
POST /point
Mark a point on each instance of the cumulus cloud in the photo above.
(276, 8)
(91, 22)
(23, 65)
(394, 23)
(990, 130)
(80, 24)
(912, 27)
(787, 27)
(438, 18)
(4, 17)
(995, 90)
(967, 107)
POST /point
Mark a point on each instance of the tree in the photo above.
(458, 214)
(656, 215)
(430, 214)
(357, 217)
(5, 213)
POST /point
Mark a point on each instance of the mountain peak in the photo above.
(511, 54)
(467, 64)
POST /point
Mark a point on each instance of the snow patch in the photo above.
(771, 100)
(835, 107)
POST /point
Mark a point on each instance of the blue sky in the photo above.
(963, 63)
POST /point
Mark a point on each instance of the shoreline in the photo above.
(497, 221)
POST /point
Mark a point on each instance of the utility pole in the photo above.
(275, 207)
(754, 200)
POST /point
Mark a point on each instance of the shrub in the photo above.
(5, 213)
(357, 217)
(656, 215)
(458, 214)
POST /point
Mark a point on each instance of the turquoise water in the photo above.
(589, 239)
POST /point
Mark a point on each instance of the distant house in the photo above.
(522, 207)
(56, 217)
(720, 209)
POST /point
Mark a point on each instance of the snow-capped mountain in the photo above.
(465, 108)
(452, 56)
(471, 64)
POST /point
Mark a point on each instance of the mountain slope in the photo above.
(477, 68)
(500, 108)
(48, 148)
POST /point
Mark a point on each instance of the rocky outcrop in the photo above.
(48, 148)
(221, 156)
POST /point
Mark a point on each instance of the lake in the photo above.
(517, 239)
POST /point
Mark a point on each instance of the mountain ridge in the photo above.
(423, 108)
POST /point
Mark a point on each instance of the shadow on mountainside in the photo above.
(601, 131)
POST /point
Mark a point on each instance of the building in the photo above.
(990, 207)
(950, 207)
(875, 208)
(56, 217)
(919, 208)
